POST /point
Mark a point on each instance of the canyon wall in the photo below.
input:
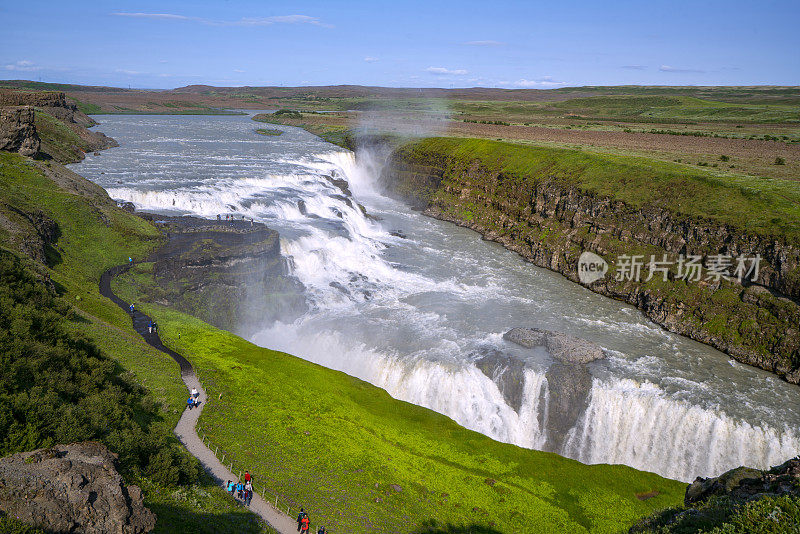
(550, 220)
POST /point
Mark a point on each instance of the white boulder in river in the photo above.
(562, 347)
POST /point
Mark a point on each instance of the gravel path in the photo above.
(185, 428)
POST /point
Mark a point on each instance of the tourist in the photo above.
(195, 393)
(321, 530)
(300, 517)
(248, 493)
(240, 490)
(304, 524)
(131, 309)
(155, 327)
(247, 477)
(190, 402)
(230, 487)
(150, 327)
(130, 260)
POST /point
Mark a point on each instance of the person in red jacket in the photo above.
(247, 477)
(304, 524)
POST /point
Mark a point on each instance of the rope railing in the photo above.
(268, 496)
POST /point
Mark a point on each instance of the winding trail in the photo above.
(186, 425)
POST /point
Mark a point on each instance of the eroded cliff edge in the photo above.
(550, 212)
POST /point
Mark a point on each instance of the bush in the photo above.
(780, 161)
(724, 158)
(58, 387)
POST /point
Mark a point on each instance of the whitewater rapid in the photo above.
(414, 305)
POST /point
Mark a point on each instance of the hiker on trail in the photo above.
(150, 327)
(130, 260)
(240, 490)
(219, 217)
(155, 327)
(131, 309)
(300, 517)
(248, 493)
(196, 394)
(321, 530)
(190, 402)
(247, 477)
(230, 487)
(304, 524)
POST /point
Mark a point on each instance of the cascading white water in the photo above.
(414, 315)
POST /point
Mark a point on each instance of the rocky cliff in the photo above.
(72, 488)
(60, 125)
(18, 130)
(550, 219)
(228, 273)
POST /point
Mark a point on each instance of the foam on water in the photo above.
(413, 315)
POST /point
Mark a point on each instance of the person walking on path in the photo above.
(248, 493)
(321, 530)
(300, 517)
(130, 260)
(247, 477)
(150, 327)
(131, 308)
(304, 524)
(196, 394)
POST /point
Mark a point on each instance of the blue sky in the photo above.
(429, 43)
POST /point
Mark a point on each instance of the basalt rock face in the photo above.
(563, 347)
(230, 274)
(18, 131)
(550, 222)
(72, 488)
(65, 145)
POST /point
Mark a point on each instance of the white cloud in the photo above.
(238, 70)
(370, 59)
(634, 67)
(484, 43)
(129, 72)
(667, 68)
(246, 21)
(22, 65)
(442, 71)
(545, 81)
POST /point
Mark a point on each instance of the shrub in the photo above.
(780, 161)
(724, 158)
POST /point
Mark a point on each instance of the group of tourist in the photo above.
(231, 218)
(303, 522)
(242, 491)
(194, 399)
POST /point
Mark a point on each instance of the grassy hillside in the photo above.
(90, 235)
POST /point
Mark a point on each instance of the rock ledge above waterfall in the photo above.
(562, 347)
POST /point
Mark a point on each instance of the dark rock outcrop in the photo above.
(65, 146)
(745, 484)
(18, 131)
(228, 273)
(72, 488)
(508, 373)
(563, 347)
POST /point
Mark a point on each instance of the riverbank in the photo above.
(551, 205)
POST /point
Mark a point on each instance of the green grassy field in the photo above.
(761, 205)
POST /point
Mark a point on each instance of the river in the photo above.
(411, 304)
